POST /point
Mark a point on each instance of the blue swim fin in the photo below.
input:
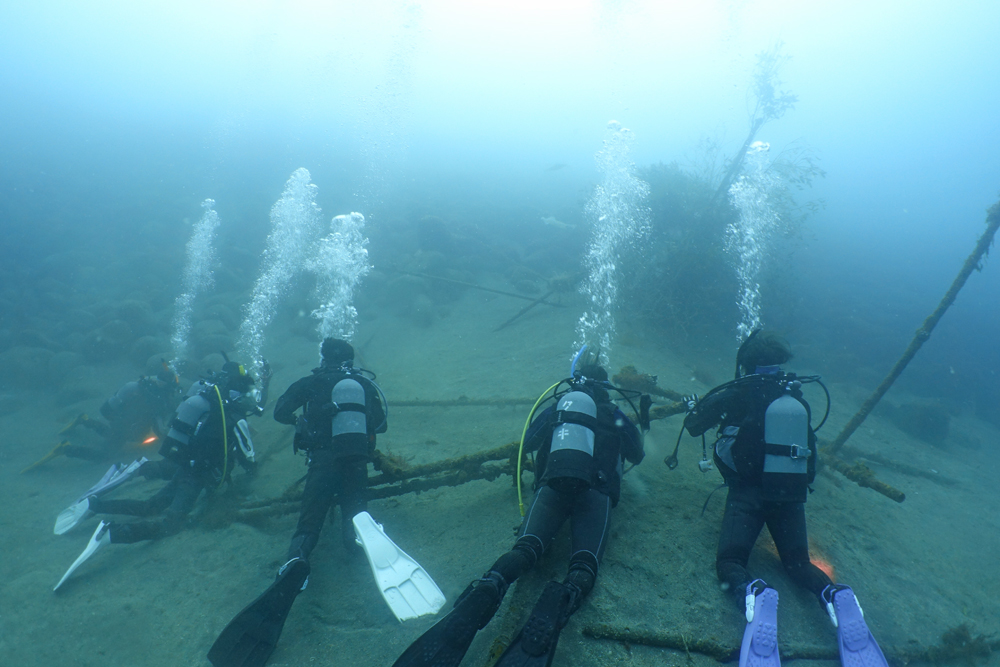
(760, 639)
(858, 647)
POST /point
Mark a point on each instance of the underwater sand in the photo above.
(919, 568)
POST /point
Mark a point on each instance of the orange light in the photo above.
(150, 440)
(824, 565)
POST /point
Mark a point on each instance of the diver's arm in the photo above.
(294, 398)
(632, 439)
(709, 410)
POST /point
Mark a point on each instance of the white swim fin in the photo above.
(100, 537)
(72, 515)
(116, 475)
(407, 588)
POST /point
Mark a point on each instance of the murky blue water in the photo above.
(470, 137)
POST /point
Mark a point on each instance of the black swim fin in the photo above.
(251, 636)
(535, 645)
(448, 640)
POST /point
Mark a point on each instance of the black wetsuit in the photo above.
(199, 465)
(338, 466)
(588, 508)
(738, 409)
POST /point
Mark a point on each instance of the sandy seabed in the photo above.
(919, 568)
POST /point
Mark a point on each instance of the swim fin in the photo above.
(760, 639)
(116, 475)
(58, 450)
(407, 588)
(100, 537)
(448, 640)
(857, 645)
(535, 645)
(251, 636)
(72, 515)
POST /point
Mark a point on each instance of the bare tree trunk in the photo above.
(737, 163)
(973, 262)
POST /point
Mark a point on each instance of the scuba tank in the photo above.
(190, 414)
(570, 465)
(179, 446)
(786, 449)
(349, 427)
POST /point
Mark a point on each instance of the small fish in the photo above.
(557, 166)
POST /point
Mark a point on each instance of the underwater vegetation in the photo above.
(686, 280)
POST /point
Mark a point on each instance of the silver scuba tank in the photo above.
(786, 450)
(348, 397)
(571, 454)
(190, 414)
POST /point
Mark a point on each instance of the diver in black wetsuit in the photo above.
(341, 414)
(766, 452)
(139, 410)
(581, 443)
(342, 411)
(206, 440)
(767, 482)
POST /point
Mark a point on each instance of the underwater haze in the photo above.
(469, 192)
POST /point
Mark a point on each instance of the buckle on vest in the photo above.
(799, 452)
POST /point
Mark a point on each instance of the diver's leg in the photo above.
(741, 524)
(548, 511)
(102, 429)
(159, 469)
(351, 488)
(181, 501)
(317, 497)
(536, 643)
(149, 507)
(591, 525)
(188, 490)
(787, 525)
(85, 453)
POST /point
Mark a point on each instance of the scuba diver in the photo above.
(581, 441)
(137, 414)
(206, 440)
(342, 411)
(765, 449)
